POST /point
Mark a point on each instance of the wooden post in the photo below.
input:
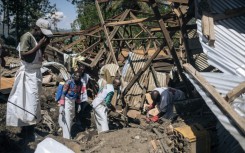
(219, 100)
(234, 93)
(169, 44)
(154, 74)
(106, 33)
(141, 71)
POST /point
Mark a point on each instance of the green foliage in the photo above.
(87, 15)
(25, 13)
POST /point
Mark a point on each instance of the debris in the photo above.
(49, 145)
(153, 143)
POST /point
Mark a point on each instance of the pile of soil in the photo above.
(125, 140)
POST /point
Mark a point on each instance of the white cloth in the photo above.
(49, 145)
(84, 96)
(66, 115)
(100, 115)
(102, 95)
(23, 107)
(101, 82)
(100, 110)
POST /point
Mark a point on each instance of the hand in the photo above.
(112, 108)
(61, 102)
(44, 41)
(149, 107)
(154, 118)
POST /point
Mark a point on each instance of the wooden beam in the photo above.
(236, 92)
(90, 47)
(144, 38)
(169, 42)
(141, 71)
(208, 28)
(73, 43)
(80, 39)
(219, 100)
(154, 74)
(175, 28)
(179, 1)
(114, 31)
(119, 23)
(145, 29)
(106, 33)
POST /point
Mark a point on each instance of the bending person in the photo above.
(101, 104)
(164, 99)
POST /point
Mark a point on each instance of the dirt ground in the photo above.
(138, 136)
(134, 138)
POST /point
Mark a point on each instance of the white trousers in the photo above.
(66, 116)
(100, 114)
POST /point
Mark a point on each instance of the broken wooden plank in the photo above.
(218, 99)
(119, 23)
(211, 32)
(208, 28)
(235, 92)
(6, 85)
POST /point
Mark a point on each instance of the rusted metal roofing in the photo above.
(163, 79)
(223, 83)
(133, 64)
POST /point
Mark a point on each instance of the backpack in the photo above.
(59, 91)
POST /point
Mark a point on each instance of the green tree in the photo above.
(25, 13)
(88, 16)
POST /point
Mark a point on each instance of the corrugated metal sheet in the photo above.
(223, 83)
(201, 61)
(220, 6)
(112, 68)
(227, 143)
(131, 67)
(163, 79)
(228, 53)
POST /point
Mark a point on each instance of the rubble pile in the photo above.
(163, 50)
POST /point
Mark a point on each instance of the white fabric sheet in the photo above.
(100, 114)
(66, 116)
(23, 107)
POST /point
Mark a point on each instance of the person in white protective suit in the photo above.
(71, 94)
(101, 104)
(23, 107)
(164, 99)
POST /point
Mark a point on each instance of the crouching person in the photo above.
(164, 99)
(71, 95)
(101, 104)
